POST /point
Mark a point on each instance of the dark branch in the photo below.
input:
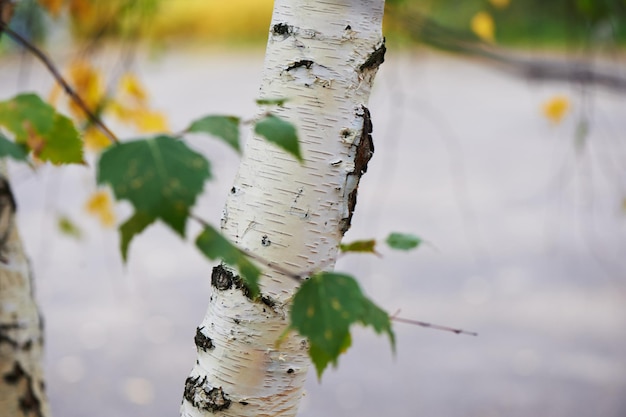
(59, 78)
(425, 30)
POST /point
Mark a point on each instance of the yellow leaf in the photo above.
(500, 4)
(150, 121)
(556, 108)
(87, 82)
(121, 111)
(95, 140)
(100, 205)
(81, 9)
(483, 26)
(52, 6)
(130, 85)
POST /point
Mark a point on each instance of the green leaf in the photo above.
(325, 307)
(132, 227)
(216, 247)
(271, 101)
(379, 319)
(223, 127)
(68, 227)
(281, 133)
(161, 177)
(360, 246)
(50, 135)
(62, 143)
(402, 241)
(12, 149)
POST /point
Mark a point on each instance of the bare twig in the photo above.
(395, 317)
(59, 78)
(425, 30)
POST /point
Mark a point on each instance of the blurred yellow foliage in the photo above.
(150, 121)
(215, 20)
(500, 4)
(556, 108)
(130, 106)
(483, 26)
(82, 10)
(88, 84)
(130, 85)
(95, 140)
(52, 6)
(100, 205)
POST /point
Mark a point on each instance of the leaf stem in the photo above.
(59, 78)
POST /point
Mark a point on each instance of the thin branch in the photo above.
(395, 317)
(429, 32)
(299, 277)
(59, 78)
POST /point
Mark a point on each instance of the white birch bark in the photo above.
(21, 337)
(322, 56)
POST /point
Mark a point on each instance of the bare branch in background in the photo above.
(427, 31)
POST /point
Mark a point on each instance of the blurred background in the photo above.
(500, 140)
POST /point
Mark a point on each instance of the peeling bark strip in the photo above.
(363, 154)
(7, 212)
(199, 395)
(365, 147)
(306, 63)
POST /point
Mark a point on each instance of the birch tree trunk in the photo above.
(21, 337)
(21, 329)
(322, 56)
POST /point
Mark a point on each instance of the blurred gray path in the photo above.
(526, 246)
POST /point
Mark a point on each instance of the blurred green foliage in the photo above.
(528, 23)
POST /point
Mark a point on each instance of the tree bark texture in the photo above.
(322, 57)
(21, 335)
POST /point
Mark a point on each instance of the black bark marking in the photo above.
(7, 339)
(29, 404)
(363, 154)
(290, 371)
(302, 63)
(268, 301)
(244, 402)
(202, 341)
(222, 279)
(199, 396)
(374, 59)
(14, 375)
(348, 27)
(281, 29)
(265, 241)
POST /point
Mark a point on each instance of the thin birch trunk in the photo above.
(21, 328)
(322, 56)
(21, 336)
